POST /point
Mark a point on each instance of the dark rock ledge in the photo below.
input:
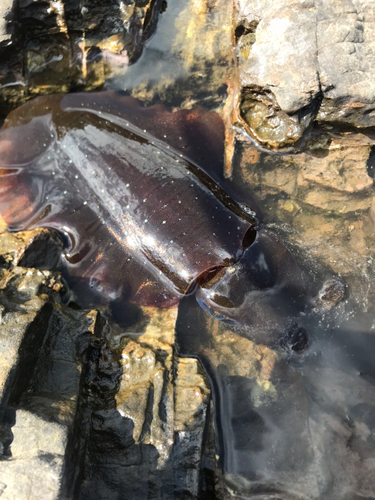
(78, 415)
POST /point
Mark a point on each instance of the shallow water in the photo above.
(290, 423)
(299, 425)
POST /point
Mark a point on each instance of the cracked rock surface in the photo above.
(315, 57)
(79, 414)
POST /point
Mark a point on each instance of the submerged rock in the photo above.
(321, 201)
(57, 46)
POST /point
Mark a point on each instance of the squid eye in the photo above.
(249, 237)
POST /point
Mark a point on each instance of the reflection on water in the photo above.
(298, 425)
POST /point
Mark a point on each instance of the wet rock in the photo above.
(40, 375)
(166, 398)
(48, 63)
(313, 59)
(189, 59)
(38, 248)
(43, 250)
(268, 122)
(24, 314)
(139, 410)
(140, 416)
(57, 46)
(320, 201)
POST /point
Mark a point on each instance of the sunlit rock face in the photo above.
(304, 62)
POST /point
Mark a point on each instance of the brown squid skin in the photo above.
(142, 221)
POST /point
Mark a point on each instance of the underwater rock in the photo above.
(320, 201)
(270, 124)
(50, 46)
(289, 427)
(189, 59)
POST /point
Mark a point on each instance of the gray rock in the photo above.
(24, 314)
(314, 56)
(5, 9)
(37, 459)
(284, 57)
